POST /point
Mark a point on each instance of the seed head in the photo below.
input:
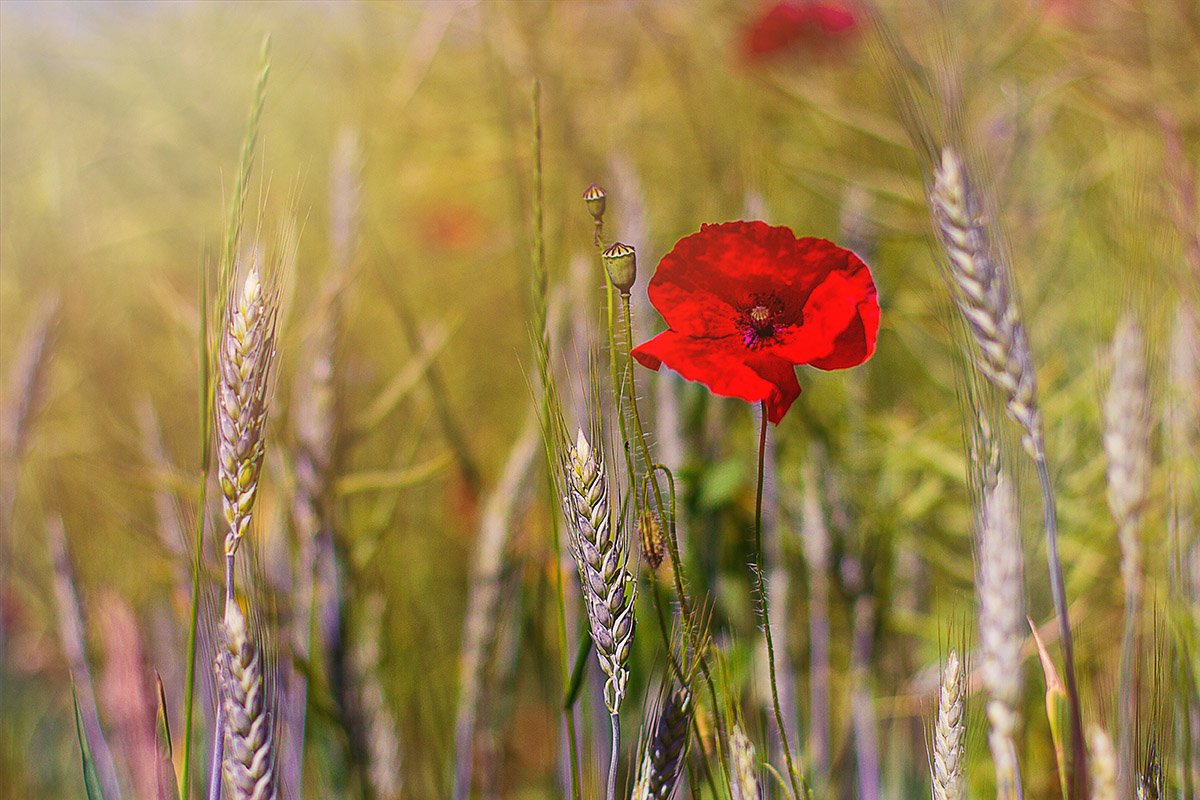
(595, 198)
(620, 260)
(246, 358)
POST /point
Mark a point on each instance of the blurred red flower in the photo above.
(745, 302)
(804, 24)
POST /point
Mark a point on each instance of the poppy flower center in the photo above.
(761, 322)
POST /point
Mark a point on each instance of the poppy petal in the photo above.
(856, 343)
(726, 367)
(840, 320)
(702, 284)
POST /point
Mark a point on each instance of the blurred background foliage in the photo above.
(120, 125)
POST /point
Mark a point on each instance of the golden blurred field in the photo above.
(120, 130)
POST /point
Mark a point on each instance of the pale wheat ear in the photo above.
(601, 554)
(1103, 763)
(950, 733)
(983, 294)
(249, 763)
(1127, 428)
(743, 766)
(245, 366)
(1001, 591)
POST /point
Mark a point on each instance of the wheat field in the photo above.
(337, 459)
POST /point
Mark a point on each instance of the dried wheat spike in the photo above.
(743, 768)
(1103, 764)
(1127, 441)
(245, 360)
(249, 742)
(665, 749)
(1001, 590)
(983, 295)
(949, 734)
(603, 561)
(383, 744)
(653, 545)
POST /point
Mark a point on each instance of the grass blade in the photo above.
(91, 781)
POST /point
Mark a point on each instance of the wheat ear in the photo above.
(383, 744)
(666, 746)
(1103, 765)
(743, 766)
(608, 588)
(249, 751)
(949, 734)
(984, 296)
(1127, 446)
(602, 559)
(982, 290)
(1001, 592)
(246, 357)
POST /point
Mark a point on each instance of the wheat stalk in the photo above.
(818, 555)
(1127, 446)
(949, 734)
(315, 425)
(1000, 589)
(1103, 765)
(249, 762)
(502, 505)
(603, 562)
(665, 747)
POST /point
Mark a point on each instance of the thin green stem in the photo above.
(541, 283)
(762, 599)
(206, 397)
(189, 681)
(685, 608)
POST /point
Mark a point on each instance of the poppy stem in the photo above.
(762, 599)
(691, 636)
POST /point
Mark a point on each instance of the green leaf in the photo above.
(1058, 711)
(91, 781)
(168, 785)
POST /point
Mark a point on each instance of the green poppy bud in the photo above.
(594, 196)
(620, 260)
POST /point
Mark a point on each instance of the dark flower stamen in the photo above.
(760, 324)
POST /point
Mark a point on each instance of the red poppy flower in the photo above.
(745, 302)
(786, 25)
